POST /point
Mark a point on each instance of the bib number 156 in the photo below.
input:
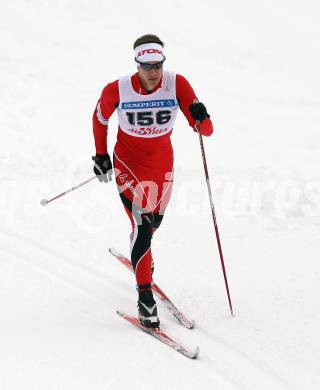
(147, 118)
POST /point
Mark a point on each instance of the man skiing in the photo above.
(147, 103)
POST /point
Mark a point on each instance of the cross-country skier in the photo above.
(147, 103)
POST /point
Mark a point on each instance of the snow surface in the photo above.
(256, 65)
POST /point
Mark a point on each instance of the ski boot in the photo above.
(147, 307)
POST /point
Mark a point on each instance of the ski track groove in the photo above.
(221, 346)
(268, 373)
(51, 263)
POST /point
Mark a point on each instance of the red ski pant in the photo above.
(145, 201)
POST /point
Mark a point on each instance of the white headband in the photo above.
(149, 52)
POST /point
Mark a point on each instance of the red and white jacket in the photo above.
(109, 102)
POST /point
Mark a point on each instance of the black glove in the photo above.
(198, 111)
(103, 167)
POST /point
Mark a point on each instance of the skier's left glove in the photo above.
(198, 111)
(103, 167)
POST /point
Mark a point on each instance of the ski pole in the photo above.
(214, 214)
(44, 202)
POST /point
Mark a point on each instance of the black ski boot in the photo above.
(147, 307)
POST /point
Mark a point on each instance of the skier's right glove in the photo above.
(103, 167)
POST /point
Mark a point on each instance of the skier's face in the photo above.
(150, 78)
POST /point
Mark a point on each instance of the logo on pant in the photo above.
(122, 177)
